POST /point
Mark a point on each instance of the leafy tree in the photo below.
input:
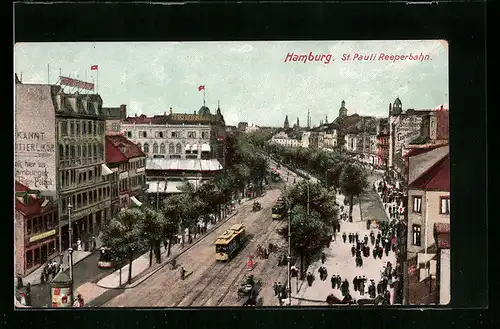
(353, 180)
(308, 233)
(123, 235)
(152, 230)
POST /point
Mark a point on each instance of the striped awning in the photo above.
(105, 170)
(194, 147)
(187, 147)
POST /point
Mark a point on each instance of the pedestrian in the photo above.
(372, 289)
(350, 219)
(338, 226)
(366, 239)
(361, 287)
(360, 262)
(339, 281)
(323, 257)
(379, 288)
(79, 301)
(375, 253)
(357, 237)
(266, 254)
(42, 276)
(353, 250)
(350, 238)
(380, 252)
(279, 288)
(334, 281)
(372, 238)
(355, 283)
(310, 279)
(344, 237)
(183, 273)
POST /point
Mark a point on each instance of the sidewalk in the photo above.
(34, 277)
(339, 261)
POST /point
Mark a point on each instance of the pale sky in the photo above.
(251, 79)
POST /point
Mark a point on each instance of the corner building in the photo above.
(60, 152)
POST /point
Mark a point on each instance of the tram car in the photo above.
(105, 258)
(229, 242)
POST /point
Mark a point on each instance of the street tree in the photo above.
(123, 235)
(152, 230)
(353, 180)
(308, 233)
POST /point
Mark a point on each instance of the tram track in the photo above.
(218, 274)
(226, 281)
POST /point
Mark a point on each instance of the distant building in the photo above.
(252, 128)
(242, 126)
(36, 230)
(128, 164)
(428, 204)
(114, 117)
(286, 124)
(231, 130)
(383, 142)
(283, 139)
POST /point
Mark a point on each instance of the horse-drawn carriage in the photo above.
(256, 206)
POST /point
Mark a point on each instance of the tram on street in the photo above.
(105, 258)
(229, 242)
(278, 211)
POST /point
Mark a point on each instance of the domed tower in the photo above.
(342, 110)
(286, 125)
(204, 111)
(397, 107)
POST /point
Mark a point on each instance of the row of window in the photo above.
(132, 165)
(444, 203)
(86, 198)
(40, 224)
(40, 255)
(74, 177)
(173, 134)
(67, 152)
(81, 128)
(161, 149)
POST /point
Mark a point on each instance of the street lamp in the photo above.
(289, 257)
(70, 227)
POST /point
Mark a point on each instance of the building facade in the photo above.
(114, 117)
(60, 151)
(36, 230)
(428, 204)
(128, 164)
(179, 136)
(283, 139)
(383, 142)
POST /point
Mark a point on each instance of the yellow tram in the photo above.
(229, 242)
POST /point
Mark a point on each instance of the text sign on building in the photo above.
(35, 138)
(42, 236)
(406, 131)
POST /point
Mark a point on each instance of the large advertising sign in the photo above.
(35, 138)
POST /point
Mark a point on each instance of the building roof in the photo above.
(120, 149)
(436, 178)
(30, 204)
(183, 164)
(442, 232)
(176, 118)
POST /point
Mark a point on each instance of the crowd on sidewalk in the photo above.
(391, 196)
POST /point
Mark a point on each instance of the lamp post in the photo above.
(70, 226)
(289, 258)
(70, 251)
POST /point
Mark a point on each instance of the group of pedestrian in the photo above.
(323, 273)
(280, 291)
(49, 271)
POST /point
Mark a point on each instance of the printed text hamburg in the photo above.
(328, 58)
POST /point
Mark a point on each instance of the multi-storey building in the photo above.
(283, 139)
(179, 136)
(114, 117)
(128, 181)
(60, 152)
(383, 142)
(36, 230)
(428, 176)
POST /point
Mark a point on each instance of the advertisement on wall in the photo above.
(35, 150)
(62, 297)
(406, 130)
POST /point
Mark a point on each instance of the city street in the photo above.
(85, 271)
(371, 206)
(210, 283)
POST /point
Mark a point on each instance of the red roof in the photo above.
(436, 178)
(121, 149)
(34, 205)
(21, 187)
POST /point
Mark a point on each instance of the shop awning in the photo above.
(135, 201)
(105, 170)
(194, 147)
(205, 148)
(187, 147)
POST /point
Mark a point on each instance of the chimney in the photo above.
(123, 111)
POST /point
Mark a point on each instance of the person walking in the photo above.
(334, 281)
(323, 257)
(79, 302)
(275, 288)
(344, 236)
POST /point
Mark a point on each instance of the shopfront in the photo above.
(84, 228)
(39, 249)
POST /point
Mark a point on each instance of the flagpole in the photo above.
(204, 95)
(97, 83)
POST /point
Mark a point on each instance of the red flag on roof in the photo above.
(200, 88)
(94, 67)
